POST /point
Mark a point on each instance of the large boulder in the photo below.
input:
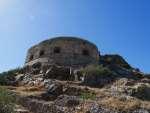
(53, 91)
(48, 82)
(19, 78)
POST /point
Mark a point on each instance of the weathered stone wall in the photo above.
(63, 51)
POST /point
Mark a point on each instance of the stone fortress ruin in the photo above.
(64, 73)
(62, 51)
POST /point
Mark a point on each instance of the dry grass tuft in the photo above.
(33, 88)
(120, 105)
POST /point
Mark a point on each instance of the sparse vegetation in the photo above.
(142, 92)
(119, 105)
(97, 70)
(7, 101)
(88, 95)
(97, 75)
(8, 76)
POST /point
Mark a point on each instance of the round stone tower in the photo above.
(63, 51)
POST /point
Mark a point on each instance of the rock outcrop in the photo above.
(116, 60)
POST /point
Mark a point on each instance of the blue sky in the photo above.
(115, 26)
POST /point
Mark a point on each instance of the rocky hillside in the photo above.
(111, 87)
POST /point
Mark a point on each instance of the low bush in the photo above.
(7, 101)
(142, 91)
(97, 75)
(88, 95)
(8, 76)
(97, 70)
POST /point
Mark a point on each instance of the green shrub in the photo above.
(142, 91)
(7, 101)
(88, 95)
(97, 75)
(96, 70)
(8, 76)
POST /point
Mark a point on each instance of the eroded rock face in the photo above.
(55, 89)
(114, 60)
